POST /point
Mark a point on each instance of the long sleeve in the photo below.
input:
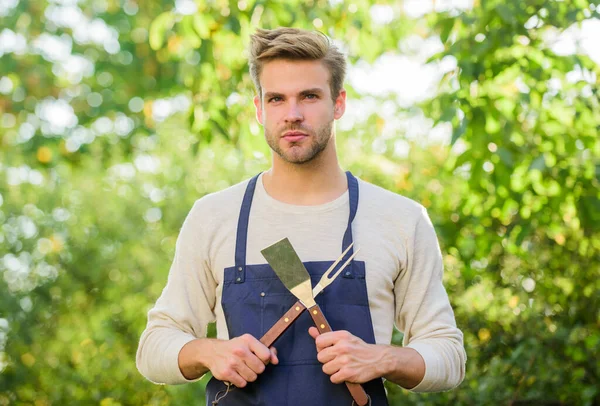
(424, 314)
(184, 308)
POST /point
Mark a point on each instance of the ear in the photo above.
(259, 110)
(340, 105)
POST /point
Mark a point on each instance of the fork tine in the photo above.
(326, 280)
(337, 261)
(329, 279)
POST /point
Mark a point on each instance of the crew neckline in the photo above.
(261, 193)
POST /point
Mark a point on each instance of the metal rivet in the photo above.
(238, 279)
(322, 325)
(240, 269)
(315, 312)
(286, 319)
(262, 294)
(348, 273)
(297, 308)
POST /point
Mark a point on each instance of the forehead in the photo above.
(292, 77)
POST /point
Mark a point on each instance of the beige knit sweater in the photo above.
(398, 245)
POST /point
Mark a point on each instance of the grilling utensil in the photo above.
(296, 310)
(284, 260)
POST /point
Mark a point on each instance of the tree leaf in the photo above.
(458, 131)
(159, 28)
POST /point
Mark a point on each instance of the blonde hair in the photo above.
(296, 44)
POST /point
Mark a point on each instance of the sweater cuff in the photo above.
(435, 376)
(172, 360)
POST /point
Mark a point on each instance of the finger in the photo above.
(274, 359)
(247, 373)
(340, 377)
(233, 377)
(314, 332)
(325, 340)
(328, 339)
(331, 367)
(326, 355)
(260, 350)
(254, 363)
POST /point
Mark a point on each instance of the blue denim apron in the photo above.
(254, 299)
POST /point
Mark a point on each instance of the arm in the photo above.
(239, 360)
(347, 358)
(424, 314)
(433, 357)
(184, 308)
(174, 349)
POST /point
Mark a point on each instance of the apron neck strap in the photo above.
(242, 229)
(353, 197)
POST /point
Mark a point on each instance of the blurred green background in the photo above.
(115, 116)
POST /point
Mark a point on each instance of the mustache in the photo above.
(296, 128)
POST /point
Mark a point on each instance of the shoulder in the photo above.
(391, 213)
(385, 202)
(231, 196)
(215, 207)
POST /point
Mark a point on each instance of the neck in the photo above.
(316, 182)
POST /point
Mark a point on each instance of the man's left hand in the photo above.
(347, 358)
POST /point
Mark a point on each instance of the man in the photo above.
(218, 272)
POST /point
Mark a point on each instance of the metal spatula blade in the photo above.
(289, 268)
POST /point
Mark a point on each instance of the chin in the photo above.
(300, 159)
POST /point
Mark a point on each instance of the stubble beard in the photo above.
(297, 154)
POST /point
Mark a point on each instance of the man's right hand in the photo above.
(239, 360)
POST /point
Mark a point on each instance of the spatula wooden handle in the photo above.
(358, 393)
(282, 324)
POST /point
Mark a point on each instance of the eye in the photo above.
(312, 96)
(275, 99)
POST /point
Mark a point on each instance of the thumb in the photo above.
(314, 333)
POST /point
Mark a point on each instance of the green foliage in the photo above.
(527, 239)
(90, 211)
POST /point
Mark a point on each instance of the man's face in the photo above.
(296, 109)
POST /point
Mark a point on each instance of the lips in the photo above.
(294, 136)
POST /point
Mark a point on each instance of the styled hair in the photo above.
(296, 45)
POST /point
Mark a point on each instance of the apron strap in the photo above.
(242, 231)
(353, 197)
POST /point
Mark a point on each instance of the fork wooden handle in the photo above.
(358, 393)
(282, 324)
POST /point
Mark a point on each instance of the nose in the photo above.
(294, 113)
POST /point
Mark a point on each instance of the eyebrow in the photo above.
(268, 95)
(316, 90)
